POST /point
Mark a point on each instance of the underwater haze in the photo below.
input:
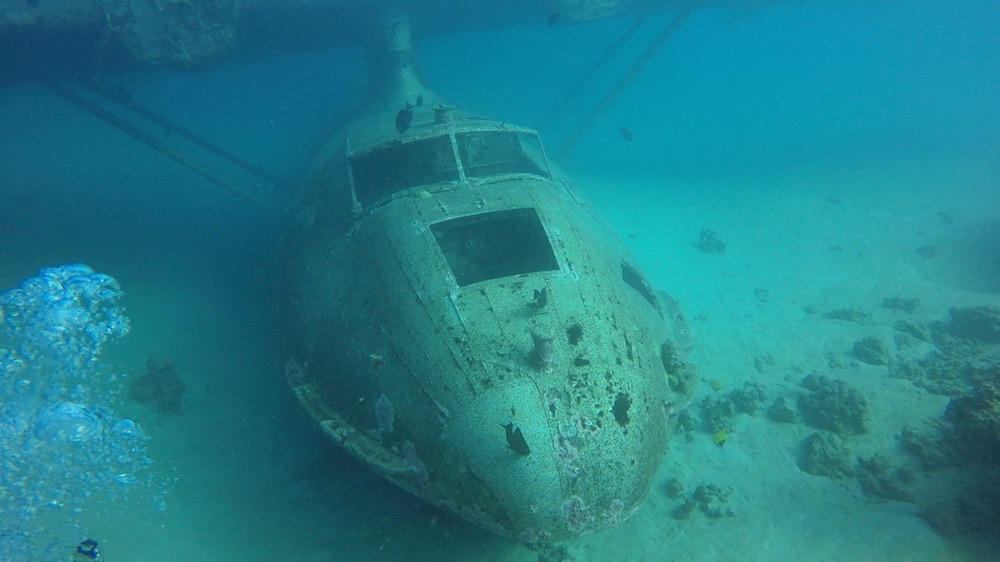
(817, 184)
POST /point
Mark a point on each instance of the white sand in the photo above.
(804, 246)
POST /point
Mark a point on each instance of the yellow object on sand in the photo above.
(719, 438)
(716, 384)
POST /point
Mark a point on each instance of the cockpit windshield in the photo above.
(494, 153)
(397, 166)
(452, 157)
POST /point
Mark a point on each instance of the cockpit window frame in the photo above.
(452, 131)
(498, 244)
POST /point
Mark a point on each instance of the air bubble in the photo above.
(61, 446)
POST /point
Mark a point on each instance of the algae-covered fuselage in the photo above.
(461, 322)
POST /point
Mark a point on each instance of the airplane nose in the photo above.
(571, 475)
(517, 493)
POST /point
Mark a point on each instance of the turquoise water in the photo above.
(846, 152)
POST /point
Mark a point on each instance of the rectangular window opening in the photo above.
(493, 245)
(496, 153)
(398, 166)
(634, 279)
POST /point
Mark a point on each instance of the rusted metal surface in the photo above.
(92, 37)
(459, 321)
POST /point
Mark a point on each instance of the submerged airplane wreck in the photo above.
(462, 323)
(454, 315)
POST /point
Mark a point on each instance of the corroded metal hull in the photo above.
(46, 40)
(482, 340)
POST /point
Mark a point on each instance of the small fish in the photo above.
(626, 133)
(404, 117)
(719, 438)
(553, 18)
(515, 440)
(87, 550)
(420, 100)
(541, 298)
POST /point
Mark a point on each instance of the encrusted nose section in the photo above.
(536, 476)
(466, 327)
